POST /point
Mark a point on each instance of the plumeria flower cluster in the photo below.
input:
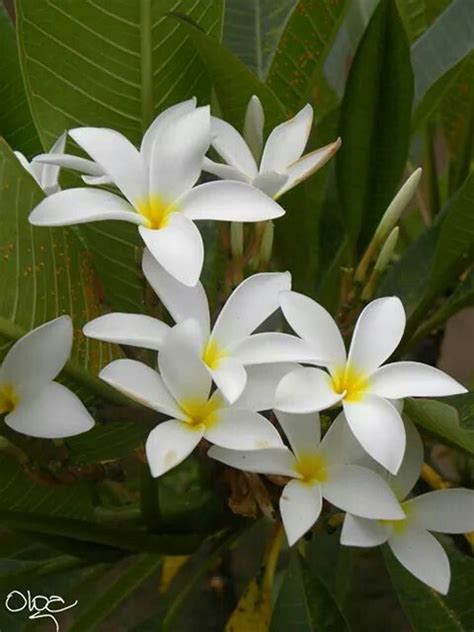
(213, 378)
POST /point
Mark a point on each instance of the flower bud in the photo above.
(253, 127)
(387, 251)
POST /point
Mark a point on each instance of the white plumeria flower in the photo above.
(46, 175)
(355, 379)
(281, 165)
(182, 391)
(228, 347)
(443, 511)
(91, 172)
(318, 469)
(33, 403)
(158, 181)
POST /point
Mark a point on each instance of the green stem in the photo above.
(149, 499)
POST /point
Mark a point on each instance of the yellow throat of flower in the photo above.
(213, 353)
(156, 210)
(399, 526)
(351, 381)
(312, 468)
(8, 398)
(201, 412)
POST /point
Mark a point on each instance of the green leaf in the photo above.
(304, 604)
(21, 493)
(126, 582)
(296, 71)
(16, 124)
(431, 58)
(443, 420)
(413, 16)
(427, 610)
(375, 123)
(233, 82)
(114, 66)
(45, 273)
(252, 30)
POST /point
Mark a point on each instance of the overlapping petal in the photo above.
(239, 429)
(279, 461)
(302, 431)
(137, 330)
(357, 531)
(300, 507)
(262, 381)
(305, 390)
(169, 444)
(308, 164)
(230, 377)
(287, 141)
(230, 145)
(273, 347)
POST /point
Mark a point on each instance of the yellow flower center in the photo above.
(213, 354)
(156, 210)
(312, 468)
(201, 412)
(350, 381)
(399, 525)
(8, 398)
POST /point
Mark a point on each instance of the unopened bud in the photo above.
(237, 239)
(388, 221)
(387, 251)
(267, 243)
(253, 127)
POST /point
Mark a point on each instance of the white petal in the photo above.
(408, 379)
(181, 301)
(24, 162)
(230, 378)
(239, 429)
(309, 164)
(141, 383)
(262, 381)
(410, 469)
(50, 173)
(68, 161)
(177, 154)
(287, 141)
(96, 180)
(78, 206)
(117, 157)
(177, 247)
(421, 554)
(378, 427)
(270, 182)
(161, 122)
(300, 506)
(444, 510)
(315, 325)
(302, 431)
(357, 531)
(249, 305)
(229, 201)
(54, 412)
(278, 461)
(306, 390)
(360, 491)
(230, 145)
(224, 171)
(340, 446)
(253, 126)
(137, 330)
(169, 444)
(39, 356)
(377, 333)
(272, 347)
(180, 364)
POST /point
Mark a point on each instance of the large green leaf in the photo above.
(413, 15)
(45, 273)
(431, 57)
(443, 420)
(304, 604)
(375, 122)
(16, 124)
(302, 50)
(427, 610)
(114, 66)
(233, 82)
(126, 581)
(252, 30)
